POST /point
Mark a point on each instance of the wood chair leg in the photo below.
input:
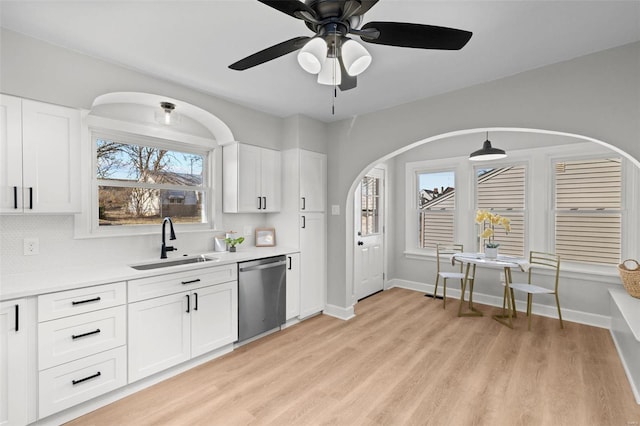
(513, 304)
(444, 293)
(529, 298)
(435, 291)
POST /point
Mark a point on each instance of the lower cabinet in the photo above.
(312, 263)
(168, 330)
(13, 363)
(293, 285)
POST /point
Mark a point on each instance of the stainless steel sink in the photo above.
(166, 263)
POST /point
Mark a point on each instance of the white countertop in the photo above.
(51, 280)
(629, 307)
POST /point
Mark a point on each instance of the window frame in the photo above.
(628, 199)
(517, 162)
(412, 170)
(86, 222)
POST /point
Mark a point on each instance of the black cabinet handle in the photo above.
(77, 336)
(304, 222)
(265, 203)
(290, 262)
(31, 198)
(195, 307)
(188, 304)
(17, 318)
(304, 203)
(259, 203)
(197, 280)
(80, 302)
(15, 197)
(93, 376)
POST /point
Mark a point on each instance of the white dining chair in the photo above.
(540, 260)
(444, 269)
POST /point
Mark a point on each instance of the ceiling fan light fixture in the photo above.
(487, 152)
(355, 57)
(313, 55)
(330, 73)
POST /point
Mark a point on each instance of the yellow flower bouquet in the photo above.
(489, 221)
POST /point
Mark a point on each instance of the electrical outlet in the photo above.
(248, 230)
(31, 246)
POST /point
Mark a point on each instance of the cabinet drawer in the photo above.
(72, 302)
(71, 338)
(78, 381)
(147, 288)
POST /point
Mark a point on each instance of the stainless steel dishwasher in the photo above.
(262, 291)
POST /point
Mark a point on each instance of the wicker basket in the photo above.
(630, 277)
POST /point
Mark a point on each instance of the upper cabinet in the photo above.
(251, 179)
(313, 181)
(39, 157)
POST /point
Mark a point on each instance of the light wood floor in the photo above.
(402, 360)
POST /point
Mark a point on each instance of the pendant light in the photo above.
(487, 152)
(313, 55)
(164, 116)
(355, 57)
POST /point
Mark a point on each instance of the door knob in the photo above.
(360, 243)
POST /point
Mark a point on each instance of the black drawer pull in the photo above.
(197, 280)
(93, 376)
(290, 262)
(304, 203)
(80, 302)
(30, 198)
(77, 336)
(15, 197)
(17, 318)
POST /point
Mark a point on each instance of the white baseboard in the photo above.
(579, 317)
(339, 312)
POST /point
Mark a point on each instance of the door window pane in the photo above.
(370, 206)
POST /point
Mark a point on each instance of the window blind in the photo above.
(588, 201)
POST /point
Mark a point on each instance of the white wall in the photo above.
(596, 96)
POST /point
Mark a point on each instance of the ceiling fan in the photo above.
(336, 58)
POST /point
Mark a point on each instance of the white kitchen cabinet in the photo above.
(251, 179)
(39, 157)
(214, 319)
(13, 363)
(158, 334)
(184, 315)
(82, 345)
(293, 285)
(312, 263)
(313, 181)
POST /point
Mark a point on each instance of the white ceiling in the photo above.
(193, 42)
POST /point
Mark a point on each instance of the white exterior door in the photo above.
(369, 238)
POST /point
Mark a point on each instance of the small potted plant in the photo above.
(233, 242)
(489, 220)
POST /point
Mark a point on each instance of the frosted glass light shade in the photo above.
(355, 57)
(313, 55)
(330, 73)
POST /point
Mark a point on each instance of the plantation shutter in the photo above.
(588, 201)
(502, 191)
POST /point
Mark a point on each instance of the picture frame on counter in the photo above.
(265, 237)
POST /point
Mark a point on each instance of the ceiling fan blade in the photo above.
(348, 82)
(366, 5)
(269, 53)
(417, 35)
(290, 7)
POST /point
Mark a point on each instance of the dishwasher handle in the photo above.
(263, 266)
